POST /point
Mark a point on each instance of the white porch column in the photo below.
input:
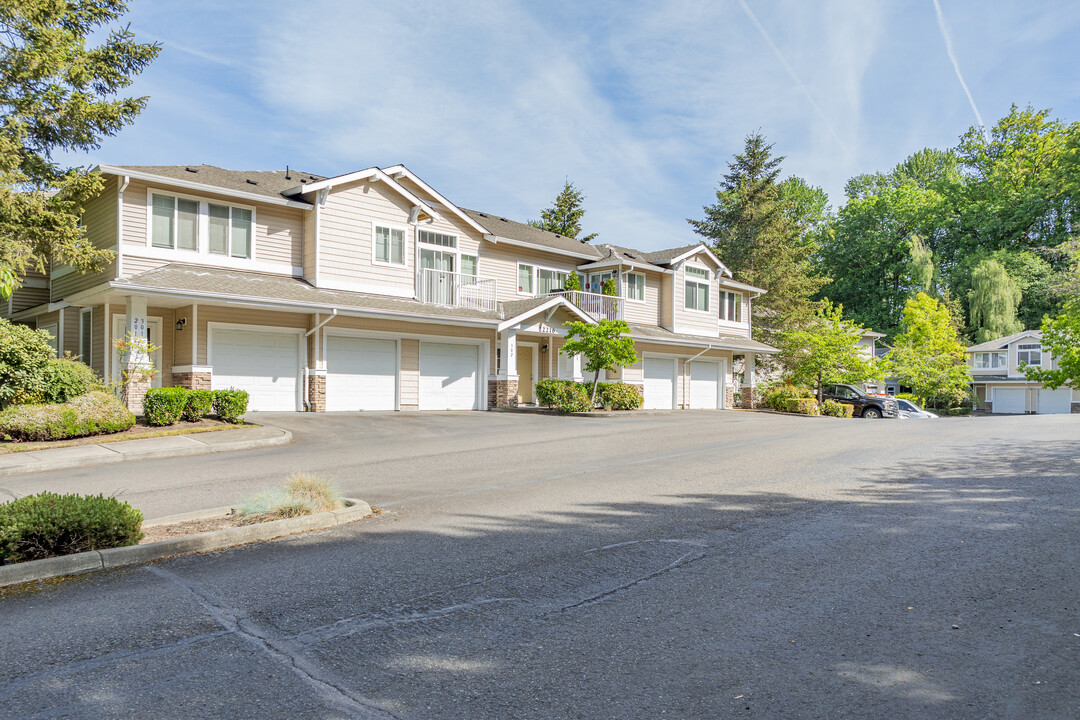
(575, 368)
(508, 355)
(136, 380)
(136, 327)
(503, 387)
(749, 381)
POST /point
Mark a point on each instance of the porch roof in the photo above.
(650, 333)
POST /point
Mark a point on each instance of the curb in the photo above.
(102, 454)
(593, 414)
(204, 542)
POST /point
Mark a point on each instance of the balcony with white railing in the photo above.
(600, 307)
(441, 287)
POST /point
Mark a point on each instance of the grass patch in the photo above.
(304, 494)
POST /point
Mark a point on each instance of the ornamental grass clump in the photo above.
(303, 494)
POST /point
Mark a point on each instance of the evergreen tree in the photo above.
(564, 216)
(992, 302)
(764, 231)
(58, 94)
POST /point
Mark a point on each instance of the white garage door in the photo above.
(1055, 402)
(1009, 400)
(448, 374)
(704, 385)
(361, 374)
(266, 364)
(659, 383)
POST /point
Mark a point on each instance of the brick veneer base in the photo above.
(502, 393)
(317, 393)
(749, 398)
(134, 393)
(192, 381)
(729, 397)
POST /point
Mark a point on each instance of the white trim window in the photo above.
(470, 265)
(388, 245)
(229, 230)
(86, 334)
(434, 238)
(989, 361)
(190, 224)
(635, 287)
(525, 279)
(731, 306)
(542, 280)
(696, 292)
(1029, 354)
(174, 222)
(594, 283)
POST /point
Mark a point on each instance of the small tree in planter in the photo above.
(136, 364)
(572, 282)
(603, 346)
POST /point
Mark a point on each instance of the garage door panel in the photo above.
(1009, 401)
(659, 380)
(266, 364)
(1055, 402)
(704, 385)
(361, 374)
(449, 374)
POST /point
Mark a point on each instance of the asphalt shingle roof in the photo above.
(725, 342)
(1003, 342)
(664, 257)
(266, 182)
(511, 230)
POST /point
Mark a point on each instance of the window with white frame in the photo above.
(434, 238)
(989, 361)
(635, 286)
(86, 329)
(595, 281)
(54, 337)
(731, 306)
(389, 245)
(1029, 354)
(548, 280)
(525, 279)
(175, 222)
(696, 293)
(469, 265)
(229, 230)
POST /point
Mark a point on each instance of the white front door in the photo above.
(1055, 402)
(448, 376)
(704, 384)
(265, 363)
(153, 335)
(659, 377)
(361, 374)
(1010, 401)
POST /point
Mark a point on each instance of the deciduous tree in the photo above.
(927, 355)
(606, 345)
(1061, 338)
(826, 350)
(992, 302)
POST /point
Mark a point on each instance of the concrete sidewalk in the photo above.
(143, 449)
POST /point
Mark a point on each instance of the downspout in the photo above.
(333, 313)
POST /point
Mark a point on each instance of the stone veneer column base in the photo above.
(749, 398)
(729, 397)
(1076, 407)
(134, 393)
(192, 380)
(989, 407)
(316, 391)
(502, 393)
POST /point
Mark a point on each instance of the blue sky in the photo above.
(641, 104)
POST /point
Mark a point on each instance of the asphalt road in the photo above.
(696, 565)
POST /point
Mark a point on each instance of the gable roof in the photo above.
(528, 236)
(264, 185)
(398, 171)
(670, 256)
(1003, 342)
(371, 174)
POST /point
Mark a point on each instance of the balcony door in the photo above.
(440, 285)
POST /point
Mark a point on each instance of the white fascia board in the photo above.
(371, 174)
(398, 170)
(554, 302)
(622, 262)
(294, 305)
(201, 187)
(744, 286)
(709, 253)
(533, 246)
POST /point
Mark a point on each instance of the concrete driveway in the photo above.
(697, 565)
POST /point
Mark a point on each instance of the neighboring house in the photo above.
(999, 382)
(372, 291)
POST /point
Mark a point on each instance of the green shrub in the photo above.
(200, 403)
(164, 406)
(24, 357)
(230, 405)
(95, 413)
(305, 493)
(47, 525)
(776, 396)
(956, 411)
(66, 379)
(803, 406)
(563, 395)
(910, 398)
(837, 409)
(618, 396)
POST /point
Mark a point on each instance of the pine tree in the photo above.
(992, 302)
(57, 94)
(564, 216)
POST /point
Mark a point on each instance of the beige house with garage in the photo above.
(372, 291)
(997, 376)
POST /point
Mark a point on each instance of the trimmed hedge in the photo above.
(230, 405)
(563, 395)
(94, 413)
(164, 406)
(24, 357)
(803, 406)
(200, 403)
(777, 396)
(618, 396)
(66, 379)
(837, 409)
(46, 525)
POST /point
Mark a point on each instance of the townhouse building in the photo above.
(373, 291)
(1001, 387)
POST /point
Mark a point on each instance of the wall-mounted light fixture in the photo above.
(543, 348)
(181, 323)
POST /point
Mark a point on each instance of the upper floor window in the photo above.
(731, 306)
(595, 281)
(1029, 354)
(696, 295)
(525, 279)
(469, 265)
(635, 286)
(433, 238)
(989, 361)
(229, 230)
(389, 245)
(539, 279)
(175, 223)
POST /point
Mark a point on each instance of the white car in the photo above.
(911, 410)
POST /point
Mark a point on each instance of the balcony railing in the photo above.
(456, 290)
(601, 307)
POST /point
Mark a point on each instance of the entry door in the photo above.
(153, 334)
(442, 290)
(526, 355)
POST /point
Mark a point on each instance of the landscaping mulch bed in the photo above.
(189, 527)
(139, 430)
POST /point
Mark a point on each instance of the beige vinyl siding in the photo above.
(692, 322)
(410, 374)
(243, 316)
(99, 219)
(346, 226)
(647, 312)
(133, 223)
(182, 338)
(310, 244)
(279, 234)
(133, 264)
(500, 261)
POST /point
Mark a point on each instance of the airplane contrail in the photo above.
(794, 76)
(956, 67)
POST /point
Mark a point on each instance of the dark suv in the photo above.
(867, 406)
